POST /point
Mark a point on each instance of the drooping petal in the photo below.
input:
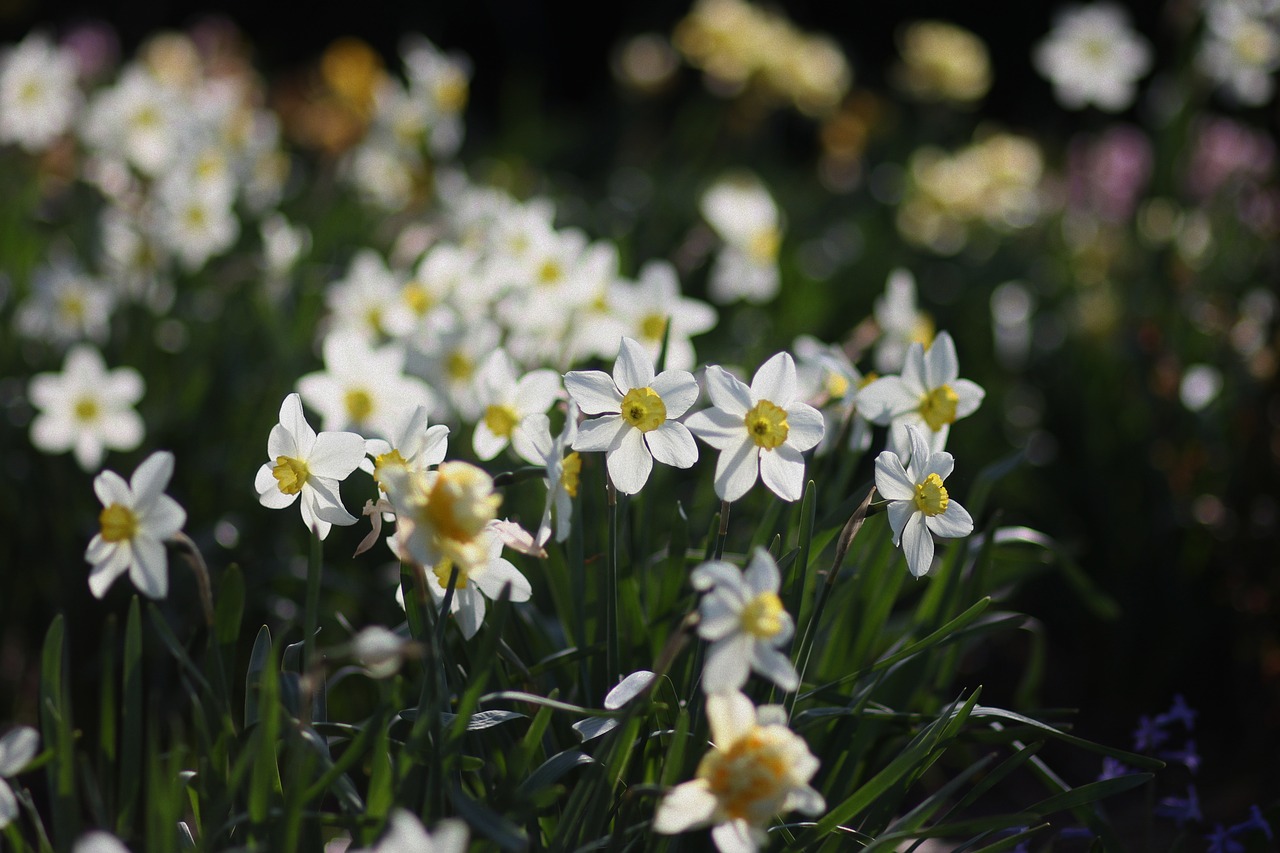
(805, 426)
(727, 392)
(601, 434)
(678, 390)
(630, 462)
(892, 481)
(686, 806)
(737, 469)
(782, 470)
(718, 428)
(917, 544)
(335, 455)
(671, 444)
(952, 524)
(941, 366)
(593, 391)
(634, 368)
(775, 380)
(774, 665)
(151, 478)
(17, 748)
(728, 664)
(150, 569)
(900, 512)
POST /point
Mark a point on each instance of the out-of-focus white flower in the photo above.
(379, 650)
(38, 93)
(405, 834)
(828, 380)
(1092, 56)
(441, 514)
(744, 215)
(86, 408)
(303, 463)
(639, 412)
(757, 768)
(99, 842)
(139, 120)
(450, 357)
(927, 395)
(197, 221)
(919, 505)
(17, 748)
(66, 305)
(367, 300)
(508, 401)
(1200, 386)
(362, 388)
(535, 445)
(744, 620)
(761, 430)
(901, 321)
(136, 519)
(653, 308)
(476, 581)
(1241, 48)
(382, 174)
(283, 244)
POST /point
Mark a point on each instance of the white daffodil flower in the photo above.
(38, 93)
(744, 620)
(303, 463)
(136, 519)
(639, 409)
(746, 217)
(927, 395)
(405, 834)
(829, 382)
(653, 308)
(86, 408)
(756, 769)
(478, 580)
(508, 401)
(17, 748)
(1092, 56)
(414, 444)
(99, 842)
(441, 514)
(761, 430)
(1240, 49)
(900, 320)
(919, 506)
(534, 444)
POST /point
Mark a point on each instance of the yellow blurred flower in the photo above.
(943, 62)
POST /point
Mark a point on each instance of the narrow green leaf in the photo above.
(1089, 793)
(56, 726)
(131, 721)
(253, 676)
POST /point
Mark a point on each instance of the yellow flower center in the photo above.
(373, 318)
(291, 474)
(570, 472)
(461, 501)
(443, 571)
(72, 307)
(938, 407)
(550, 273)
(762, 617)
(644, 409)
(749, 779)
(459, 366)
(931, 496)
(118, 523)
(837, 385)
(653, 327)
(501, 420)
(923, 330)
(195, 216)
(86, 409)
(359, 405)
(451, 92)
(417, 298)
(764, 244)
(767, 425)
(383, 462)
(870, 377)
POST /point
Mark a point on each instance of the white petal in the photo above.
(150, 569)
(737, 470)
(111, 488)
(321, 495)
(165, 518)
(782, 470)
(805, 800)
(634, 368)
(718, 428)
(952, 524)
(122, 430)
(17, 748)
(9, 805)
(151, 477)
(734, 836)
(449, 836)
(731, 716)
(775, 381)
(601, 434)
(630, 462)
(900, 513)
(335, 455)
(671, 444)
(269, 494)
(917, 544)
(970, 396)
(593, 391)
(678, 390)
(687, 806)
(941, 464)
(762, 573)
(295, 424)
(941, 366)
(88, 451)
(727, 666)
(486, 444)
(434, 446)
(468, 609)
(627, 689)
(537, 391)
(280, 442)
(920, 452)
(718, 617)
(727, 391)
(105, 571)
(532, 441)
(775, 666)
(892, 481)
(715, 573)
(805, 426)
(885, 399)
(497, 575)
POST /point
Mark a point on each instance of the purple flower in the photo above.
(1220, 841)
(1187, 756)
(1255, 821)
(1107, 173)
(1111, 768)
(1075, 832)
(1181, 810)
(1149, 734)
(1179, 711)
(1226, 150)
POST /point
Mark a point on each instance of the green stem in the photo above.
(311, 615)
(611, 593)
(723, 533)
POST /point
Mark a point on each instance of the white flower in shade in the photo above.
(484, 578)
(99, 842)
(928, 395)
(405, 834)
(757, 768)
(1093, 57)
(919, 506)
(744, 215)
(761, 430)
(829, 381)
(449, 359)
(362, 388)
(379, 650)
(136, 519)
(653, 308)
(66, 305)
(535, 445)
(17, 748)
(744, 620)
(301, 463)
(508, 401)
(638, 409)
(1241, 48)
(38, 93)
(901, 322)
(86, 408)
(415, 445)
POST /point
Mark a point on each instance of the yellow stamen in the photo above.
(118, 523)
(837, 385)
(923, 330)
(417, 298)
(451, 92)
(72, 307)
(931, 496)
(359, 405)
(550, 272)
(291, 474)
(570, 472)
(748, 777)
(459, 366)
(938, 407)
(386, 461)
(86, 409)
(762, 617)
(501, 420)
(653, 327)
(644, 409)
(764, 244)
(767, 425)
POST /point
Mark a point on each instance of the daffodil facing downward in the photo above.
(639, 412)
(919, 505)
(757, 768)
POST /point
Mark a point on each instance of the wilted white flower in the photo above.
(86, 408)
(744, 620)
(303, 463)
(1093, 57)
(757, 768)
(761, 430)
(919, 505)
(136, 519)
